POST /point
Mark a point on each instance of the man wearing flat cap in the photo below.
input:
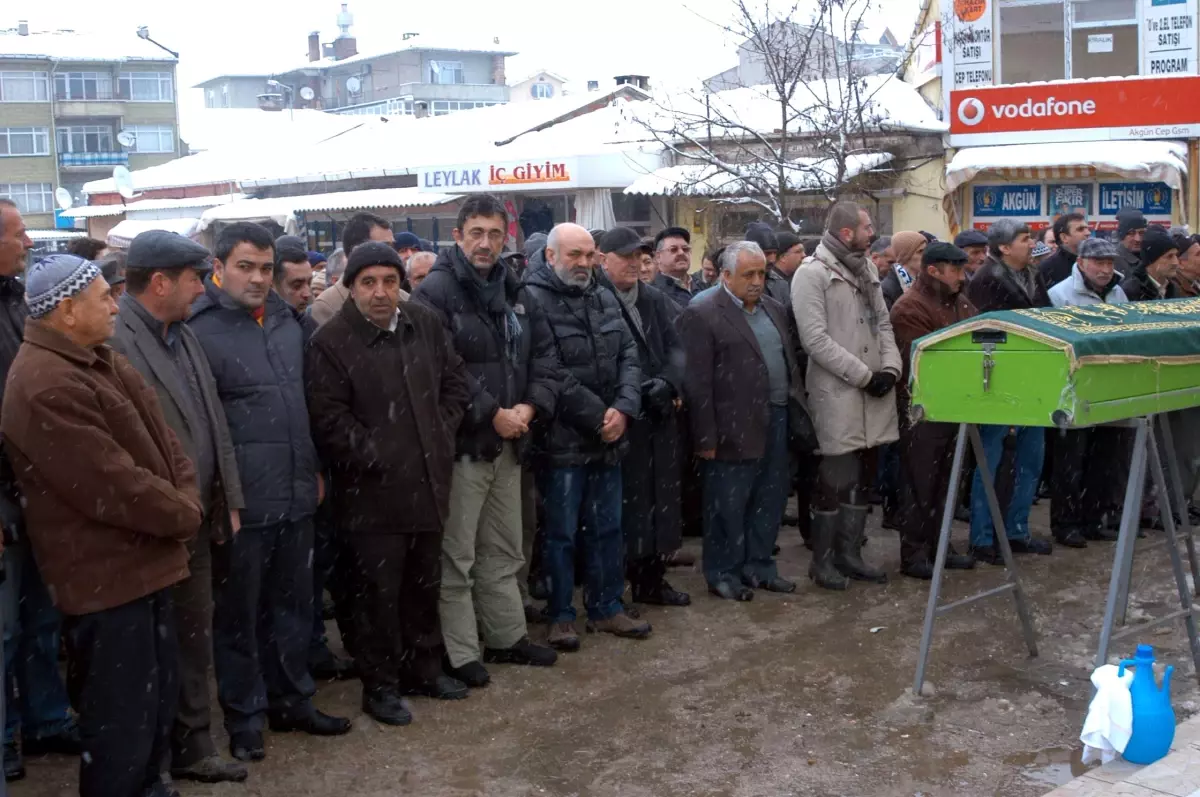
(164, 275)
(386, 392)
(652, 471)
(110, 504)
(936, 300)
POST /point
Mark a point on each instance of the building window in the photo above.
(83, 86)
(1077, 39)
(542, 91)
(152, 139)
(24, 87)
(85, 138)
(1031, 42)
(15, 141)
(30, 197)
(147, 86)
(446, 72)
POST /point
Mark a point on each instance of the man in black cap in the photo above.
(652, 471)
(975, 244)
(164, 276)
(407, 244)
(1154, 275)
(935, 301)
(778, 284)
(1131, 229)
(673, 258)
(111, 268)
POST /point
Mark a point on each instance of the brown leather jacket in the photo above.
(927, 307)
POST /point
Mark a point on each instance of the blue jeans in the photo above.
(587, 500)
(31, 634)
(743, 506)
(1027, 461)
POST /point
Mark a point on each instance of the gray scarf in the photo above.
(860, 269)
(629, 299)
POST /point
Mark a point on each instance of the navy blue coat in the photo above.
(260, 379)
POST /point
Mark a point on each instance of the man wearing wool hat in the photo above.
(1131, 229)
(110, 503)
(386, 392)
(1158, 262)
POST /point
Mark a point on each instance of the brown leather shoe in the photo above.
(623, 625)
(563, 637)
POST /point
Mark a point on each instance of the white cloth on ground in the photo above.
(1109, 721)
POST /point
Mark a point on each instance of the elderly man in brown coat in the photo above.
(111, 502)
(853, 365)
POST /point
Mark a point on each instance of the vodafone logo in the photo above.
(970, 111)
(1032, 109)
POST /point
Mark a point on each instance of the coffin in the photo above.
(1063, 366)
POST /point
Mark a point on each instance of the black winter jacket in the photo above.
(672, 290)
(1139, 288)
(259, 372)
(1057, 267)
(994, 288)
(476, 327)
(599, 361)
(13, 313)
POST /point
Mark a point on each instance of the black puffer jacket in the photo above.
(259, 372)
(501, 373)
(1140, 288)
(599, 362)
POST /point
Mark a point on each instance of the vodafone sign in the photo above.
(1132, 108)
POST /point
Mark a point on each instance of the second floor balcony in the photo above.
(92, 160)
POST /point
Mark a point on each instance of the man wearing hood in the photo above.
(578, 451)
(853, 365)
(1154, 276)
(512, 376)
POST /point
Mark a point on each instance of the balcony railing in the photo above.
(93, 158)
(104, 95)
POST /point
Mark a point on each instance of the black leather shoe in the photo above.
(328, 667)
(958, 561)
(988, 554)
(665, 595)
(314, 723)
(1031, 545)
(14, 763)
(247, 746)
(731, 592)
(212, 769)
(776, 584)
(1070, 538)
(386, 706)
(1099, 533)
(473, 674)
(66, 742)
(524, 652)
(918, 568)
(442, 688)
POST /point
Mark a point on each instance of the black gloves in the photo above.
(657, 396)
(881, 384)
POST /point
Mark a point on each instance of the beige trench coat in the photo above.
(843, 354)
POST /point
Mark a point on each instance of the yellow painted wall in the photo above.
(921, 206)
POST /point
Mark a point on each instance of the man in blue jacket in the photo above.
(263, 578)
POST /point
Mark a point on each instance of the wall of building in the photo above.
(236, 92)
(523, 91)
(920, 207)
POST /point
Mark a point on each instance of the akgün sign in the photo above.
(1152, 199)
(1169, 28)
(1008, 200)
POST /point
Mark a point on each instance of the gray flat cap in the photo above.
(162, 249)
(1097, 249)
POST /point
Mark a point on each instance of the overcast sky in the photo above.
(674, 41)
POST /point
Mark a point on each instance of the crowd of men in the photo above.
(198, 445)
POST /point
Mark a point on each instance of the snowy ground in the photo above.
(787, 695)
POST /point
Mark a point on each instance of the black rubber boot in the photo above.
(821, 570)
(851, 527)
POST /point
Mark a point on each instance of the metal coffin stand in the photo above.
(1146, 453)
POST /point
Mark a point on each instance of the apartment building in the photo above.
(73, 105)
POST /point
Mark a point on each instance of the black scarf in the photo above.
(492, 295)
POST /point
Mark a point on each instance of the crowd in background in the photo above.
(199, 445)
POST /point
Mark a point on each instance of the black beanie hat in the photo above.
(1156, 244)
(371, 253)
(762, 234)
(1128, 220)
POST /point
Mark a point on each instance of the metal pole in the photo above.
(939, 564)
(1125, 538)
(1181, 499)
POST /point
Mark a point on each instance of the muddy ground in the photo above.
(806, 694)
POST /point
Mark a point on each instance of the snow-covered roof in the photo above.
(54, 235)
(124, 231)
(78, 46)
(93, 211)
(704, 179)
(281, 208)
(1137, 160)
(433, 42)
(214, 128)
(538, 73)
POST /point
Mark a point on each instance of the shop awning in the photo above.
(702, 179)
(280, 209)
(125, 231)
(1164, 161)
(93, 211)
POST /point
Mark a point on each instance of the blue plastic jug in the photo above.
(1153, 717)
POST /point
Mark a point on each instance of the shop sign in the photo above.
(967, 34)
(927, 54)
(1008, 200)
(1169, 28)
(1152, 199)
(1134, 108)
(505, 176)
(1064, 198)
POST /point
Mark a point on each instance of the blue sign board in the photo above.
(1008, 200)
(1064, 198)
(1152, 199)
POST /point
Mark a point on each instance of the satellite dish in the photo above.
(124, 180)
(353, 84)
(307, 94)
(63, 198)
(126, 139)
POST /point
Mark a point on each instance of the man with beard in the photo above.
(853, 365)
(512, 376)
(673, 259)
(651, 472)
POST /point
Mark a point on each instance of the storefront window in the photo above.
(1031, 41)
(1052, 40)
(1104, 38)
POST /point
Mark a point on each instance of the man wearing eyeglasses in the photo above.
(673, 257)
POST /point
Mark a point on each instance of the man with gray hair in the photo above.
(1008, 281)
(741, 376)
(853, 365)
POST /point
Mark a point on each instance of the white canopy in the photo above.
(703, 179)
(126, 230)
(1164, 161)
(282, 209)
